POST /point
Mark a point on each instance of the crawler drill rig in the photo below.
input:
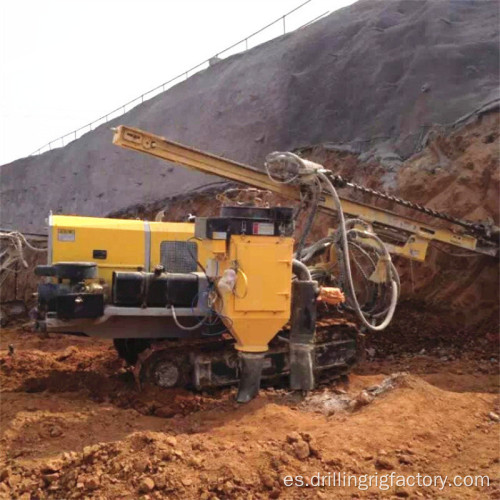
(228, 299)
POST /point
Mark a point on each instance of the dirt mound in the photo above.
(372, 77)
(90, 366)
(67, 442)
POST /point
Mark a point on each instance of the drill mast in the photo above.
(402, 235)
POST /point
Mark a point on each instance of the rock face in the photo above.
(370, 77)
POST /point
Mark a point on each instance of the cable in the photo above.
(188, 328)
(18, 239)
(198, 263)
(345, 250)
(301, 269)
(245, 279)
(307, 169)
(16, 243)
(395, 274)
(315, 249)
(366, 281)
(310, 219)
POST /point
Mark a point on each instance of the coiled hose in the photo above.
(297, 167)
(344, 246)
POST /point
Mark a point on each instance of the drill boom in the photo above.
(413, 236)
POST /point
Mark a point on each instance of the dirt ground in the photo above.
(424, 401)
(74, 425)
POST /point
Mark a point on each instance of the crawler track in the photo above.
(207, 363)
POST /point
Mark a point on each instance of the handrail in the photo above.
(121, 110)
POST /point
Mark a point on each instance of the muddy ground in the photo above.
(74, 425)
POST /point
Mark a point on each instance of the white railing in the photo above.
(284, 23)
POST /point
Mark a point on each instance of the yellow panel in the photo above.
(92, 222)
(264, 268)
(125, 241)
(260, 305)
(75, 239)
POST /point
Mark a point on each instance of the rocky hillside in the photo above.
(372, 78)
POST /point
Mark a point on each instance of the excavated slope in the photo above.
(373, 77)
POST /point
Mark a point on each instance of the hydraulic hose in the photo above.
(394, 271)
(315, 249)
(301, 270)
(345, 250)
(310, 220)
(303, 168)
(187, 328)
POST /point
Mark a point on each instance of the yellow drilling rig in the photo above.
(233, 298)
